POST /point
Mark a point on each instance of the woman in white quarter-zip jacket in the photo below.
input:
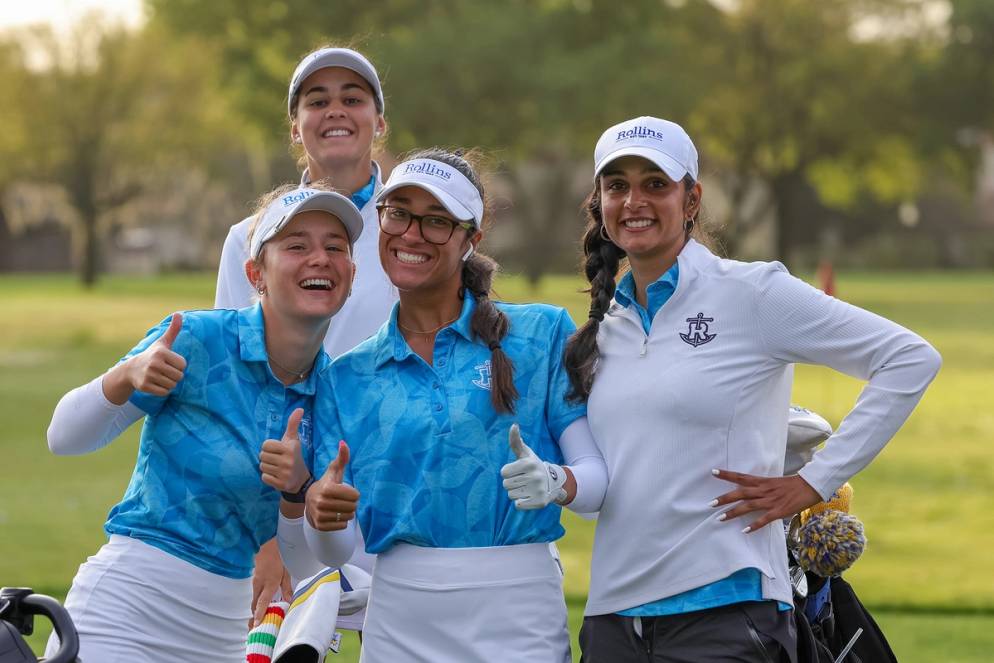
(687, 365)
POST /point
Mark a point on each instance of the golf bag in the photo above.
(18, 606)
(833, 626)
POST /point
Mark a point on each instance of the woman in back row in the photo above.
(687, 364)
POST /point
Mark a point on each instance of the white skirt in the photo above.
(132, 602)
(466, 604)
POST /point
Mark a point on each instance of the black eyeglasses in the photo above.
(434, 229)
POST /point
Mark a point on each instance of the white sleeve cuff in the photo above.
(297, 556)
(584, 460)
(331, 548)
(84, 420)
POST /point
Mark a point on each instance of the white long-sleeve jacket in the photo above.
(709, 388)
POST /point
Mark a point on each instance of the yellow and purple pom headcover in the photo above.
(830, 539)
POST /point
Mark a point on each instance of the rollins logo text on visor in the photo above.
(426, 168)
(639, 132)
(295, 197)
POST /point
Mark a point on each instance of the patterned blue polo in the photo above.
(196, 491)
(426, 443)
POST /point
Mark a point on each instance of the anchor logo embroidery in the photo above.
(484, 381)
(697, 332)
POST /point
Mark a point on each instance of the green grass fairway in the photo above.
(926, 502)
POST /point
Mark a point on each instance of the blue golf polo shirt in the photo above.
(427, 445)
(196, 491)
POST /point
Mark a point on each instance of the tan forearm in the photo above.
(569, 487)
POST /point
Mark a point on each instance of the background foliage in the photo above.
(826, 129)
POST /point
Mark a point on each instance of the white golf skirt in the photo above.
(466, 604)
(132, 602)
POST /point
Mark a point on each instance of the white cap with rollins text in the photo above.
(282, 210)
(453, 189)
(662, 142)
(335, 57)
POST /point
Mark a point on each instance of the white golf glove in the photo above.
(530, 482)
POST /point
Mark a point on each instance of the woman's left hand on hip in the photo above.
(774, 498)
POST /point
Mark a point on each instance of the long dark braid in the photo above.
(602, 259)
(489, 323)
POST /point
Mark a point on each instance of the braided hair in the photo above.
(601, 263)
(489, 324)
(602, 260)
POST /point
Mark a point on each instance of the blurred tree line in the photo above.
(855, 123)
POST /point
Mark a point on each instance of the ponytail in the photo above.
(602, 259)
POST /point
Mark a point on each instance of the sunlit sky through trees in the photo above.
(63, 13)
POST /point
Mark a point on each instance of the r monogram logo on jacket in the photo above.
(697, 332)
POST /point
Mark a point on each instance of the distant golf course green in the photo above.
(926, 502)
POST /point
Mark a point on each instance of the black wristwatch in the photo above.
(299, 496)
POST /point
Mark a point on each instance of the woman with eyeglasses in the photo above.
(458, 430)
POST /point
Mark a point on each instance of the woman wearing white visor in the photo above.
(335, 106)
(459, 509)
(686, 365)
(173, 582)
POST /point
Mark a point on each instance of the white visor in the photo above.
(279, 213)
(345, 58)
(453, 190)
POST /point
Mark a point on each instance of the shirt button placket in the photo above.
(275, 410)
(437, 395)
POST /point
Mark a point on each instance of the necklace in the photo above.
(428, 332)
(298, 375)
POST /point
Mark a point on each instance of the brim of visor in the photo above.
(449, 202)
(673, 169)
(333, 204)
(345, 61)
(336, 205)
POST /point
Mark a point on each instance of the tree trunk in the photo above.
(5, 242)
(81, 183)
(90, 264)
(788, 189)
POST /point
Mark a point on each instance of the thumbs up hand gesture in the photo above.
(331, 504)
(157, 369)
(281, 461)
(530, 482)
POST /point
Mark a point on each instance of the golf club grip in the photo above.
(39, 604)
